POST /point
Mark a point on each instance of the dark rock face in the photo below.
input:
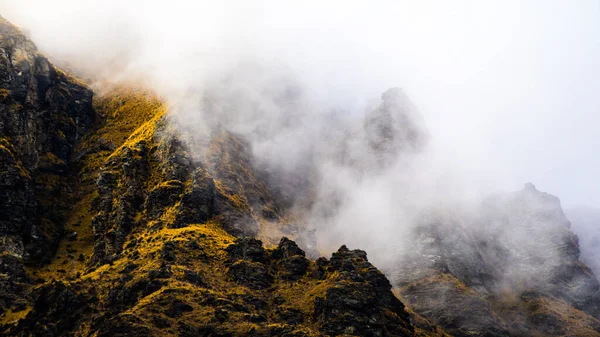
(249, 264)
(122, 325)
(359, 302)
(362, 303)
(288, 259)
(57, 308)
(14, 284)
(198, 201)
(251, 274)
(43, 114)
(287, 249)
(163, 196)
(124, 295)
(249, 261)
(18, 205)
(121, 196)
(293, 268)
(249, 249)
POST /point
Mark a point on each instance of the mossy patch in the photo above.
(13, 317)
(4, 94)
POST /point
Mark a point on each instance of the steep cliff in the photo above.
(43, 114)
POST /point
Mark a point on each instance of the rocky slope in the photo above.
(111, 226)
(44, 113)
(516, 273)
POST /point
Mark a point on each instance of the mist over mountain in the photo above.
(195, 171)
(585, 222)
(502, 78)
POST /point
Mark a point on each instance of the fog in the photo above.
(501, 93)
(508, 88)
(586, 222)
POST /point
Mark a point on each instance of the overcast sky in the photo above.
(509, 89)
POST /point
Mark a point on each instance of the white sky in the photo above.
(509, 89)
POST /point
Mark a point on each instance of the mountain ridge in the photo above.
(148, 237)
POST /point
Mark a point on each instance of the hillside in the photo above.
(111, 226)
(146, 239)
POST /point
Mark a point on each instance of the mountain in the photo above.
(515, 272)
(110, 225)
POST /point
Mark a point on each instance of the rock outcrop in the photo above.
(199, 280)
(43, 114)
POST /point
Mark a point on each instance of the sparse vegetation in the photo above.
(4, 94)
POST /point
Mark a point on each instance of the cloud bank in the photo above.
(500, 93)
